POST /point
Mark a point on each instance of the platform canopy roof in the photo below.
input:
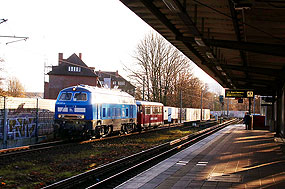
(240, 43)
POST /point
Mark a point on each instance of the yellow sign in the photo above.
(239, 93)
(249, 94)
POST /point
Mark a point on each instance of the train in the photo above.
(88, 111)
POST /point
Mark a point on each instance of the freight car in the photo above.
(171, 114)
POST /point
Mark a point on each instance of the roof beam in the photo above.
(162, 18)
(257, 81)
(238, 34)
(176, 7)
(257, 70)
(191, 26)
(251, 81)
(180, 11)
(270, 49)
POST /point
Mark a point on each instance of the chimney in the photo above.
(80, 56)
(60, 57)
(117, 73)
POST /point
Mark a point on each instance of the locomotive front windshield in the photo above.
(80, 97)
(68, 96)
(65, 96)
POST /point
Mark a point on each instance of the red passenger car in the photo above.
(150, 114)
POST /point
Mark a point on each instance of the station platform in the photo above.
(231, 158)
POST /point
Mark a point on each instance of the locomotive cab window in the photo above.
(65, 96)
(80, 97)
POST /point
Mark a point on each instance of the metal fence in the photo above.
(25, 118)
(237, 114)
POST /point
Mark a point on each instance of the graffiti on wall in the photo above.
(21, 127)
(24, 125)
(22, 122)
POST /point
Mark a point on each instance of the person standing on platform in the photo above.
(246, 120)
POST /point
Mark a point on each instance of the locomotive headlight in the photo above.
(59, 116)
(82, 116)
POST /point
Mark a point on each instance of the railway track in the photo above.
(30, 148)
(11, 152)
(114, 173)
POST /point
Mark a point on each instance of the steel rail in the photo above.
(173, 150)
(105, 174)
(49, 145)
(17, 150)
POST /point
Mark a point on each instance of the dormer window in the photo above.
(74, 69)
(121, 83)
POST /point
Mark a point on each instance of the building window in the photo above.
(121, 83)
(74, 69)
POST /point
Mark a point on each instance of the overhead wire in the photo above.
(2, 20)
(23, 39)
(6, 36)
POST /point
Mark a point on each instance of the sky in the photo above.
(105, 32)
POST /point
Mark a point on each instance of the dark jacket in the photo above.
(246, 119)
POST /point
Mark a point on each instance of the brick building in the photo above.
(69, 72)
(112, 79)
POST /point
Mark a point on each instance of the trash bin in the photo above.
(259, 122)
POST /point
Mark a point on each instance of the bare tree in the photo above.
(189, 88)
(15, 88)
(2, 92)
(157, 67)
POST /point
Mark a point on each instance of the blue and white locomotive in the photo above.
(91, 111)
